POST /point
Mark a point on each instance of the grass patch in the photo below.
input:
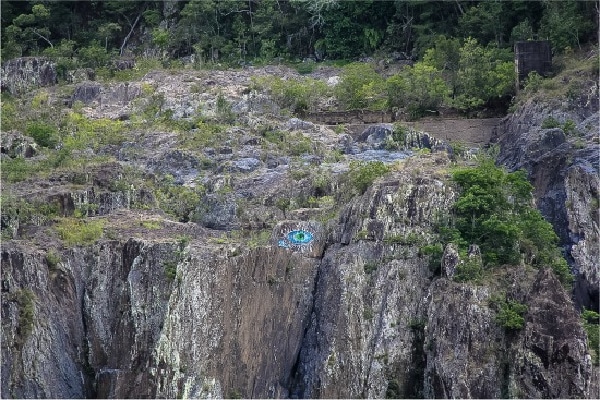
(151, 225)
(25, 298)
(18, 169)
(409, 239)
(52, 259)
(79, 232)
(170, 270)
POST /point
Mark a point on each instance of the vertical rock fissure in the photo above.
(377, 333)
(416, 377)
(297, 374)
(88, 372)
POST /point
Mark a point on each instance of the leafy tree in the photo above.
(350, 28)
(564, 24)
(522, 31)
(483, 75)
(26, 30)
(418, 88)
(219, 30)
(444, 56)
(108, 31)
(485, 21)
(494, 211)
(160, 37)
(94, 55)
(361, 87)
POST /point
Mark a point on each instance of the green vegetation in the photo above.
(550, 123)
(462, 53)
(79, 232)
(170, 271)
(296, 95)
(418, 89)
(510, 315)
(370, 267)
(18, 169)
(283, 203)
(43, 133)
(25, 298)
(292, 143)
(52, 259)
(470, 270)
(25, 211)
(493, 210)
(360, 87)
(177, 200)
(363, 174)
(590, 320)
(151, 224)
(409, 239)
(434, 252)
(568, 127)
(464, 77)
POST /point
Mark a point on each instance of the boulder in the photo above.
(81, 75)
(86, 92)
(15, 144)
(22, 74)
(450, 260)
(296, 124)
(218, 212)
(375, 134)
(246, 165)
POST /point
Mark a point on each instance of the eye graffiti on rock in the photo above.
(297, 237)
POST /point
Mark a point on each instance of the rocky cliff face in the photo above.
(362, 317)
(563, 165)
(23, 74)
(470, 356)
(285, 284)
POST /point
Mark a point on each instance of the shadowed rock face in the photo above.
(565, 175)
(22, 74)
(564, 170)
(552, 341)
(357, 314)
(470, 356)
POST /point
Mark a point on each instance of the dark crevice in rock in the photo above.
(297, 388)
(413, 389)
(88, 372)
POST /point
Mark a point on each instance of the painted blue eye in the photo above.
(300, 237)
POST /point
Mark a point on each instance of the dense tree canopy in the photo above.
(229, 30)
